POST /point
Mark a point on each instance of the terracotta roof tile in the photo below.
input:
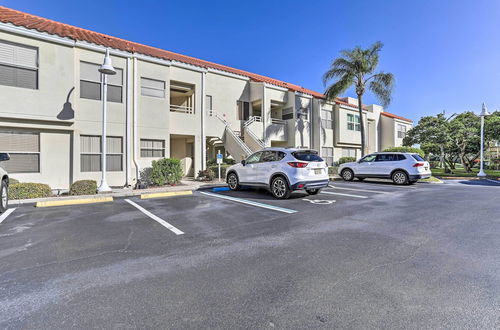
(390, 115)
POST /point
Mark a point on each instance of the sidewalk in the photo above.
(185, 185)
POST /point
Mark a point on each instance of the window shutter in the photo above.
(19, 142)
(18, 55)
(90, 72)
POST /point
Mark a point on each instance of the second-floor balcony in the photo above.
(182, 97)
(181, 109)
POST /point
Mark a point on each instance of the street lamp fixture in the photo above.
(484, 113)
(105, 70)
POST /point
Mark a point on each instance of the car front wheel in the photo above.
(400, 178)
(279, 188)
(233, 182)
(347, 175)
(4, 196)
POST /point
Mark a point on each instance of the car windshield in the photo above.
(418, 158)
(307, 155)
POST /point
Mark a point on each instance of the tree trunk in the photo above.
(361, 124)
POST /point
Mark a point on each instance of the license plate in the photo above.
(317, 171)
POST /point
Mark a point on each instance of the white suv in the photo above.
(401, 168)
(281, 170)
(4, 184)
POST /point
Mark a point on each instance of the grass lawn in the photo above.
(460, 172)
(432, 179)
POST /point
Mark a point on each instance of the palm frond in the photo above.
(339, 87)
(382, 85)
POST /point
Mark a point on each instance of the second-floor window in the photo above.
(18, 65)
(327, 119)
(287, 113)
(353, 122)
(401, 131)
(243, 110)
(208, 104)
(90, 83)
(153, 88)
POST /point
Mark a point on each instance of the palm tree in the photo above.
(356, 67)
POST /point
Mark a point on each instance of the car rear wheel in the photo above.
(4, 196)
(400, 178)
(312, 191)
(347, 175)
(233, 182)
(279, 188)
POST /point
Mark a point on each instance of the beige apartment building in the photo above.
(160, 104)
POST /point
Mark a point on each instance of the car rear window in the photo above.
(307, 156)
(418, 158)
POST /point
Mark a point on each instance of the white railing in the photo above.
(251, 120)
(278, 121)
(235, 135)
(181, 108)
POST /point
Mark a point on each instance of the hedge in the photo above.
(215, 171)
(29, 190)
(343, 160)
(83, 187)
(407, 149)
(166, 171)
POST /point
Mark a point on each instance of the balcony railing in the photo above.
(181, 108)
(278, 121)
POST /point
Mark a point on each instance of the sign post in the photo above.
(220, 158)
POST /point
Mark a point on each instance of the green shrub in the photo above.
(29, 190)
(83, 187)
(407, 149)
(13, 181)
(215, 171)
(228, 161)
(333, 170)
(343, 160)
(205, 175)
(166, 171)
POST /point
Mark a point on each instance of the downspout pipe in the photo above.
(135, 133)
(203, 122)
(127, 125)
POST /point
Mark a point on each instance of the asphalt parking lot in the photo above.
(357, 255)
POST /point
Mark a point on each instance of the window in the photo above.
(387, 158)
(153, 88)
(418, 158)
(327, 154)
(208, 104)
(243, 110)
(24, 150)
(152, 148)
(182, 97)
(287, 113)
(353, 122)
(401, 131)
(90, 83)
(272, 156)
(307, 155)
(90, 153)
(18, 65)
(303, 113)
(368, 159)
(327, 119)
(255, 158)
(348, 152)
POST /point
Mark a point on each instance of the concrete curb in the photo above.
(74, 201)
(167, 194)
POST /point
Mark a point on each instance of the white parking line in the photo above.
(340, 194)
(362, 190)
(155, 218)
(245, 201)
(6, 214)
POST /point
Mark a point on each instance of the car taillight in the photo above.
(418, 164)
(297, 164)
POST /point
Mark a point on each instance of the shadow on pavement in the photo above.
(481, 183)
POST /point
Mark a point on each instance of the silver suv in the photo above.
(281, 170)
(4, 185)
(400, 167)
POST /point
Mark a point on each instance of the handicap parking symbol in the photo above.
(319, 201)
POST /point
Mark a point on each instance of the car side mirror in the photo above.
(243, 162)
(4, 156)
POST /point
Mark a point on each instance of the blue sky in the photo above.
(445, 55)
